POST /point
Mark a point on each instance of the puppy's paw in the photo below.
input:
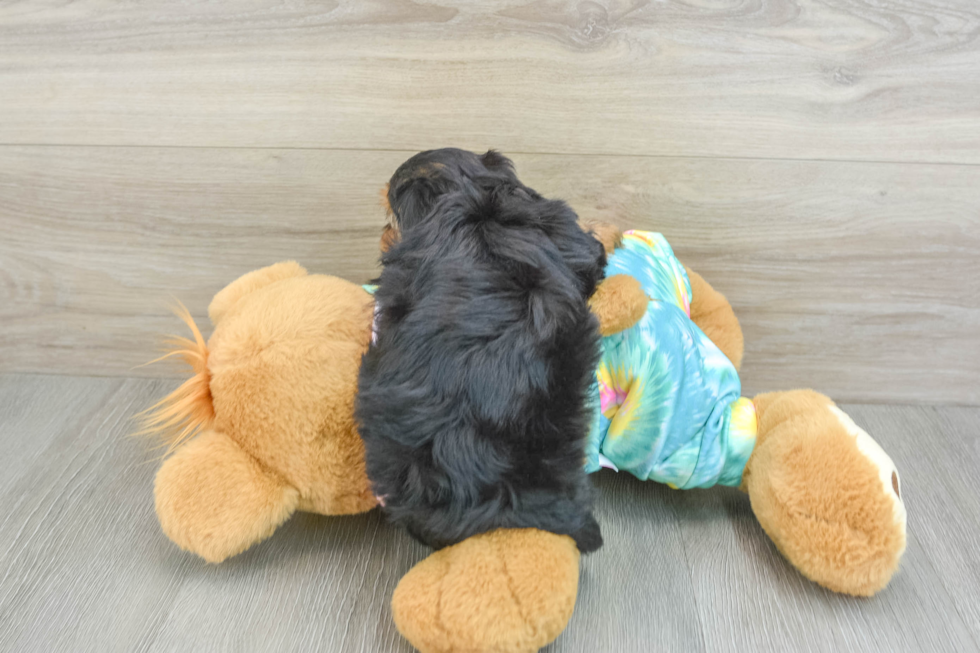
(609, 235)
(507, 591)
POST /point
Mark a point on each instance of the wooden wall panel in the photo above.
(859, 279)
(837, 79)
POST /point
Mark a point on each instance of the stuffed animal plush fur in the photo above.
(265, 427)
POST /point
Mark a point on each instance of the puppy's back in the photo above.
(472, 402)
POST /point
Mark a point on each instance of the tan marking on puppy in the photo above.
(385, 204)
(390, 234)
(389, 237)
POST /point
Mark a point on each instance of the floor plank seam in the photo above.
(509, 152)
(690, 576)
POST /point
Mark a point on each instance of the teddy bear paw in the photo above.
(507, 591)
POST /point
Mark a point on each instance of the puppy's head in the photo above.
(418, 184)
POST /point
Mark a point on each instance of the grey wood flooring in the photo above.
(84, 566)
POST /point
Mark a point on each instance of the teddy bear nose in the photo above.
(895, 484)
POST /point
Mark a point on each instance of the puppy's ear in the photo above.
(494, 160)
(412, 201)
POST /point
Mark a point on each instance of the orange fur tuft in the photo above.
(187, 410)
(389, 214)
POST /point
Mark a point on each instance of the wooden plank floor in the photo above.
(84, 567)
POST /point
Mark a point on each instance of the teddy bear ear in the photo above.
(249, 283)
(215, 500)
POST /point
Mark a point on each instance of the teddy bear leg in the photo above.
(714, 315)
(215, 500)
(826, 493)
(506, 591)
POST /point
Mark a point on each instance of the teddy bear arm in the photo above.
(618, 302)
(506, 591)
(714, 315)
(215, 500)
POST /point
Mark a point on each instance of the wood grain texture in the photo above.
(839, 79)
(861, 280)
(751, 599)
(623, 603)
(940, 449)
(85, 568)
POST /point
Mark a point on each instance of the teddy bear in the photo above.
(265, 427)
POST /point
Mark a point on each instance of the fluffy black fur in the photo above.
(472, 401)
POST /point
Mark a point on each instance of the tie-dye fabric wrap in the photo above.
(669, 405)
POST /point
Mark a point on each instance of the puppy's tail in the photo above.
(589, 537)
(187, 410)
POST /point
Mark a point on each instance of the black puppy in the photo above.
(472, 401)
